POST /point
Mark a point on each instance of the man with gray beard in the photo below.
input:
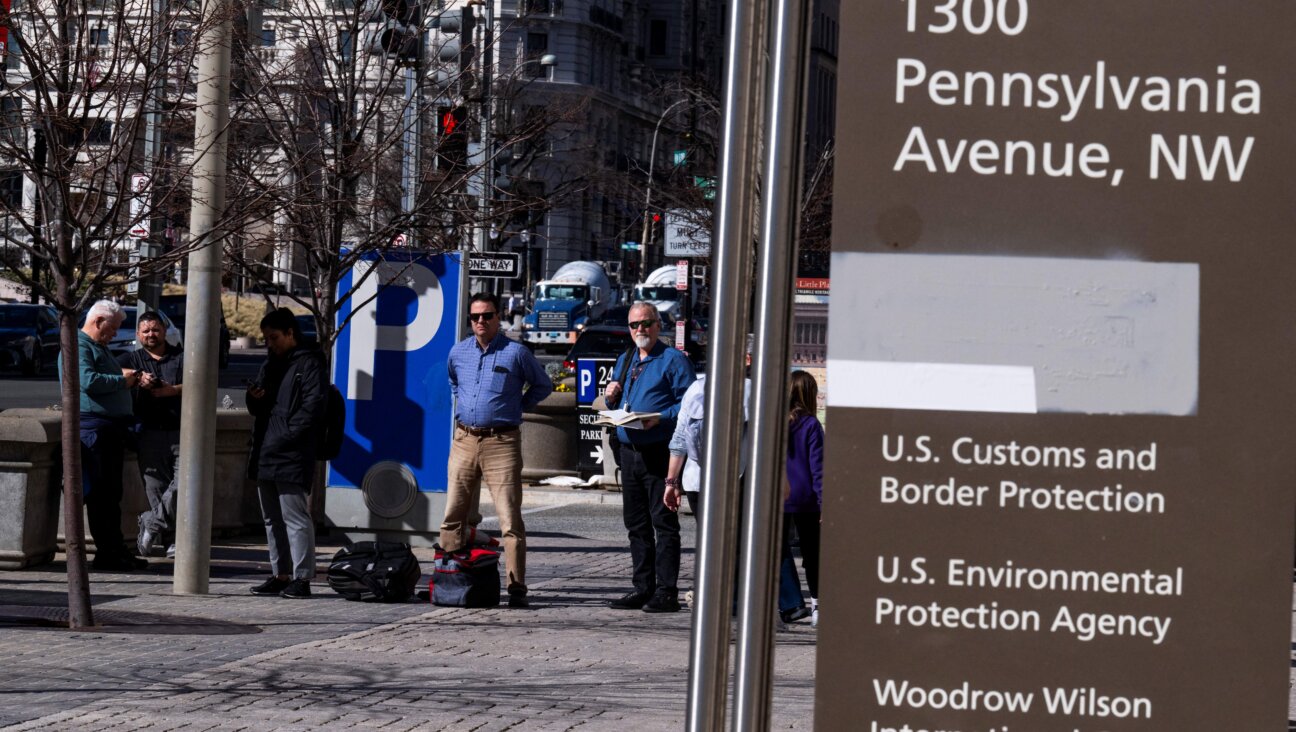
(655, 378)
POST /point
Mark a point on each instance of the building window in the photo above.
(13, 56)
(12, 129)
(99, 132)
(346, 46)
(537, 45)
(11, 187)
(181, 36)
(268, 36)
(658, 32)
(98, 36)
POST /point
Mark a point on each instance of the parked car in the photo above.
(124, 342)
(173, 306)
(29, 337)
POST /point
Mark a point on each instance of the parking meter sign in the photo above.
(592, 377)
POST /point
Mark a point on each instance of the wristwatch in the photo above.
(672, 483)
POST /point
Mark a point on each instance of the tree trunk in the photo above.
(79, 613)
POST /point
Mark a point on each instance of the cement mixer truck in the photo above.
(563, 305)
(659, 289)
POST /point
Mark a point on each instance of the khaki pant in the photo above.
(497, 460)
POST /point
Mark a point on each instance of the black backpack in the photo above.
(334, 429)
(375, 571)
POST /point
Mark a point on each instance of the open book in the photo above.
(622, 418)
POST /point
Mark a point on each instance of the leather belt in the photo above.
(486, 431)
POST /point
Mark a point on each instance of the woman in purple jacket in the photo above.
(805, 479)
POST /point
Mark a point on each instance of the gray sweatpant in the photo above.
(159, 457)
(290, 532)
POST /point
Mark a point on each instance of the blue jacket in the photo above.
(659, 387)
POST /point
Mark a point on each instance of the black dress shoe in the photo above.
(118, 563)
(662, 602)
(795, 614)
(272, 586)
(630, 601)
(298, 589)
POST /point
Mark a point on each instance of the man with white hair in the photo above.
(106, 416)
(650, 377)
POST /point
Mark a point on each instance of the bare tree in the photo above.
(81, 76)
(320, 125)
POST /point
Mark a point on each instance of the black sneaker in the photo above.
(518, 600)
(298, 589)
(662, 602)
(272, 586)
(630, 601)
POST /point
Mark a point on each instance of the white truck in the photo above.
(659, 289)
(563, 305)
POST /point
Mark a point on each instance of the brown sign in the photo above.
(1059, 477)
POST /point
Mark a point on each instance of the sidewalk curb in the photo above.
(542, 495)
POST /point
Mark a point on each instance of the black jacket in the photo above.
(285, 436)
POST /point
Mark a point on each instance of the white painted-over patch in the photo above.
(1094, 336)
(944, 386)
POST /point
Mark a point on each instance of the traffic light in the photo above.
(394, 30)
(452, 139)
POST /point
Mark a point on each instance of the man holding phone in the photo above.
(157, 408)
(494, 380)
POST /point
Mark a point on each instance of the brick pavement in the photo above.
(569, 663)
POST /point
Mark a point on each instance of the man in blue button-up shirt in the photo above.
(494, 380)
(650, 378)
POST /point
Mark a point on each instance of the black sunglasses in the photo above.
(488, 317)
(645, 324)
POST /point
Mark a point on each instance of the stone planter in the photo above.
(549, 437)
(31, 495)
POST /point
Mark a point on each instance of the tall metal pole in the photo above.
(777, 267)
(647, 215)
(150, 288)
(732, 259)
(198, 410)
(412, 119)
(485, 173)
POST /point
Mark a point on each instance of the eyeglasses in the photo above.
(487, 317)
(644, 324)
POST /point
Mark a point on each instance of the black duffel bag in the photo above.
(375, 571)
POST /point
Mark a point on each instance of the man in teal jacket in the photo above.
(106, 417)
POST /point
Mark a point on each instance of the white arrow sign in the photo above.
(597, 454)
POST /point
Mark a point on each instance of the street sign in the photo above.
(684, 238)
(1058, 491)
(389, 362)
(139, 206)
(682, 275)
(592, 376)
(631, 245)
(494, 264)
(680, 334)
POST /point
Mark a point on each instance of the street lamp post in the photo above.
(647, 215)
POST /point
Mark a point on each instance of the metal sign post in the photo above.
(739, 156)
